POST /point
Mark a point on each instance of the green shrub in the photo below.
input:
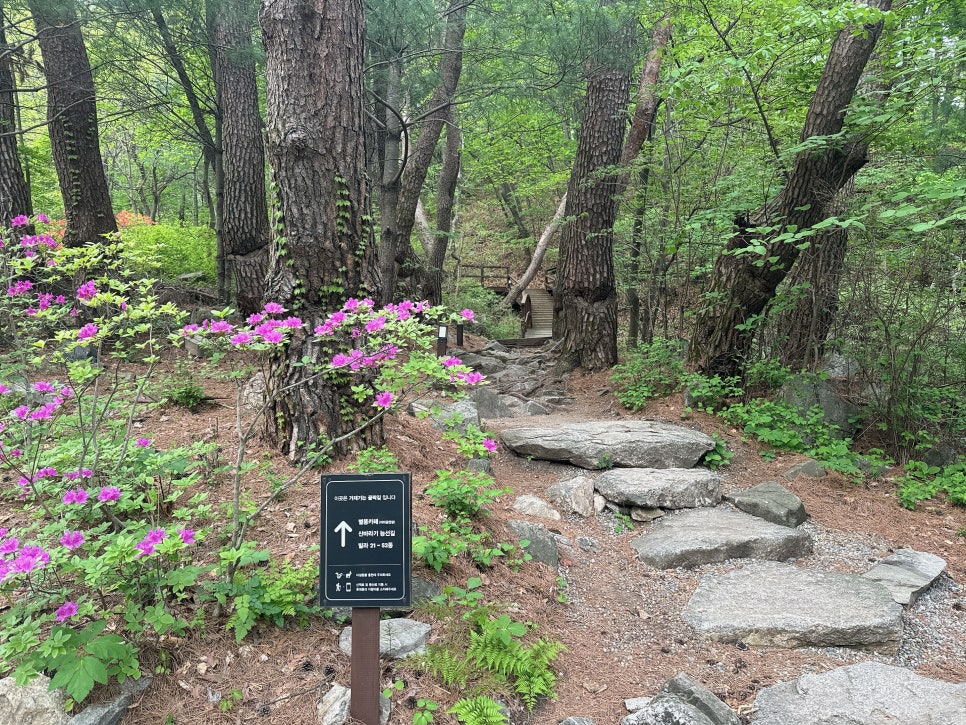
(649, 372)
(374, 460)
(921, 481)
(184, 389)
(178, 250)
(463, 494)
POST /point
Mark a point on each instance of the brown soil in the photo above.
(619, 619)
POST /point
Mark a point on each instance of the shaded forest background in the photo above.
(765, 182)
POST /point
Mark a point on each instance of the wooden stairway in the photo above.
(538, 313)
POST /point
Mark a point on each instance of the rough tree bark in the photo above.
(245, 216)
(396, 255)
(14, 192)
(314, 78)
(445, 200)
(72, 122)
(585, 296)
(743, 284)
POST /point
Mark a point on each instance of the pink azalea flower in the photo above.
(451, 361)
(72, 539)
(468, 315)
(87, 331)
(43, 387)
(489, 444)
(43, 219)
(21, 411)
(109, 493)
(351, 304)
(66, 611)
(75, 495)
(9, 546)
(221, 326)
(4, 390)
(19, 221)
(187, 535)
(242, 338)
(376, 324)
(254, 319)
(340, 360)
(87, 290)
(384, 399)
(273, 308)
(142, 442)
(273, 336)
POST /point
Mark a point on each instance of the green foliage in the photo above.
(463, 494)
(710, 393)
(719, 456)
(649, 372)
(423, 714)
(920, 482)
(491, 319)
(184, 389)
(177, 250)
(374, 460)
(273, 594)
(478, 711)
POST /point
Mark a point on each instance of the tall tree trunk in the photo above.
(14, 192)
(585, 296)
(390, 136)
(742, 284)
(399, 248)
(72, 122)
(538, 254)
(445, 198)
(245, 215)
(314, 63)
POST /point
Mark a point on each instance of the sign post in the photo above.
(365, 564)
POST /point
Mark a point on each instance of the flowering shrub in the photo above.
(99, 540)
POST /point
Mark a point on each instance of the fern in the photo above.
(479, 711)
(452, 667)
(534, 676)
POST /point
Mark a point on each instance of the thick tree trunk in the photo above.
(314, 80)
(399, 248)
(445, 201)
(245, 215)
(14, 192)
(72, 122)
(585, 296)
(390, 137)
(742, 284)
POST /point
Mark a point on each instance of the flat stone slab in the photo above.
(772, 502)
(907, 573)
(868, 693)
(702, 536)
(779, 605)
(604, 444)
(669, 488)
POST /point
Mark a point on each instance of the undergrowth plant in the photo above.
(920, 481)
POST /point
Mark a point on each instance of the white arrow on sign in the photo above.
(342, 528)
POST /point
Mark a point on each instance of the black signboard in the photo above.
(366, 540)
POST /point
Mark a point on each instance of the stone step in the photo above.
(703, 536)
(779, 605)
(868, 693)
(668, 488)
(605, 444)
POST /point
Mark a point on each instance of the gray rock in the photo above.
(809, 468)
(600, 503)
(480, 465)
(535, 506)
(333, 709)
(940, 456)
(640, 513)
(397, 637)
(532, 407)
(907, 573)
(623, 443)
(868, 693)
(111, 713)
(457, 416)
(838, 366)
(633, 704)
(772, 502)
(667, 710)
(803, 392)
(689, 690)
(494, 346)
(575, 494)
(31, 704)
(577, 721)
(542, 547)
(484, 363)
(669, 488)
(702, 536)
(489, 403)
(588, 544)
(195, 346)
(779, 605)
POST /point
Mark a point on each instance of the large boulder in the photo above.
(803, 392)
(623, 443)
(669, 488)
(31, 704)
(779, 605)
(868, 693)
(702, 536)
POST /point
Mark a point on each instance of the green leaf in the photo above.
(78, 676)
